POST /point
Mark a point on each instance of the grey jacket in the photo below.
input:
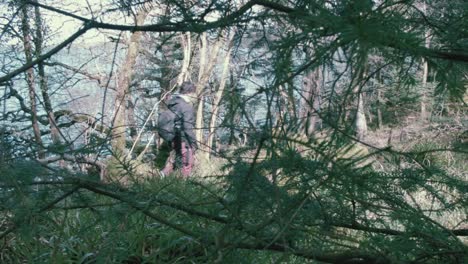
(183, 108)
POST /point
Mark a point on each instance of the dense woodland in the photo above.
(329, 131)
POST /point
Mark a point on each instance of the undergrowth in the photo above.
(250, 206)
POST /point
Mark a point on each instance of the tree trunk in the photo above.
(287, 98)
(310, 104)
(199, 122)
(207, 63)
(25, 28)
(360, 122)
(131, 118)
(219, 95)
(379, 110)
(123, 85)
(119, 128)
(187, 46)
(424, 114)
(201, 70)
(55, 133)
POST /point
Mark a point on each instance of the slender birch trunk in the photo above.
(379, 110)
(201, 102)
(26, 31)
(219, 95)
(55, 133)
(288, 99)
(311, 100)
(123, 86)
(360, 118)
(131, 118)
(424, 114)
(207, 63)
(187, 46)
(361, 123)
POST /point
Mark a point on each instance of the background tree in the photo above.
(293, 193)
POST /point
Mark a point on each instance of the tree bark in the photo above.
(219, 95)
(187, 46)
(201, 101)
(26, 31)
(379, 110)
(131, 118)
(287, 98)
(123, 85)
(360, 122)
(207, 63)
(117, 165)
(55, 133)
(310, 104)
(424, 114)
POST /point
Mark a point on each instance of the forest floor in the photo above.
(406, 136)
(409, 136)
(443, 144)
(412, 137)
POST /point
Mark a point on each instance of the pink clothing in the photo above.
(180, 159)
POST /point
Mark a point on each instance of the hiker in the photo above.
(182, 142)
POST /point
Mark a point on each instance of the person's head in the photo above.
(186, 88)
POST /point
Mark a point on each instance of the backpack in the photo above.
(168, 127)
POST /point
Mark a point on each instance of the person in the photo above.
(184, 143)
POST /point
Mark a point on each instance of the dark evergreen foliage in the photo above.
(281, 195)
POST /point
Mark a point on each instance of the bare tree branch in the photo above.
(47, 55)
(99, 78)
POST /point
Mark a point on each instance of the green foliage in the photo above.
(452, 81)
(287, 203)
(280, 198)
